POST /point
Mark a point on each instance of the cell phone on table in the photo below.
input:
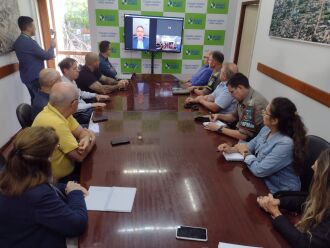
(120, 141)
(99, 118)
(191, 233)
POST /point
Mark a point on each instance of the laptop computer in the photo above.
(177, 89)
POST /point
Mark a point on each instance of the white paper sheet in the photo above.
(218, 123)
(116, 199)
(233, 156)
(124, 76)
(227, 245)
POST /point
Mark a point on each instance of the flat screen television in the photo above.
(153, 33)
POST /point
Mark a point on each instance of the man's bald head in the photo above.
(228, 71)
(91, 58)
(63, 94)
(48, 77)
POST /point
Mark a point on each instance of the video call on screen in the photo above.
(153, 33)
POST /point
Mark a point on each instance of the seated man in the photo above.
(106, 67)
(63, 102)
(69, 68)
(248, 112)
(201, 77)
(215, 63)
(47, 78)
(90, 79)
(220, 100)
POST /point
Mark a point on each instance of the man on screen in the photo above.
(139, 40)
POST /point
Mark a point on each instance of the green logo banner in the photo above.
(192, 52)
(171, 66)
(106, 17)
(217, 6)
(115, 50)
(214, 37)
(147, 55)
(194, 21)
(129, 4)
(152, 13)
(121, 34)
(130, 65)
(174, 5)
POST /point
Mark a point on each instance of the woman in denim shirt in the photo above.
(276, 152)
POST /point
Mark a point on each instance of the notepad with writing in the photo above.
(227, 245)
(115, 199)
(218, 123)
(235, 156)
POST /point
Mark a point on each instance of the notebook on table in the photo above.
(124, 76)
(227, 245)
(115, 199)
(218, 123)
(235, 156)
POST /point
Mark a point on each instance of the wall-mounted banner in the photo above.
(204, 30)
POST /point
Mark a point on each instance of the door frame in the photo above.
(240, 27)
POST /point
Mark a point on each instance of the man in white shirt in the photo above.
(69, 68)
(220, 100)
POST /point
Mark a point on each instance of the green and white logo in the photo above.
(171, 66)
(152, 13)
(115, 50)
(106, 17)
(214, 37)
(130, 65)
(194, 21)
(129, 4)
(192, 52)
(174, 5)
(147, 55)
(121, 34)
(217, 6)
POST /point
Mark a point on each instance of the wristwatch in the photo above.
(220, 129)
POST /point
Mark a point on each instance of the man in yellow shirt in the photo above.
(75, 142)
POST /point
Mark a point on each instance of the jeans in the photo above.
(84, 116)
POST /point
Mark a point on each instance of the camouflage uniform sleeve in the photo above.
(251, 120)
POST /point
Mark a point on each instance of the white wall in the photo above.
(232, 28)
(12, 91)
(305, 61)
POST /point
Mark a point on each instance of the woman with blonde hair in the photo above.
(313, 230)
(33, 212)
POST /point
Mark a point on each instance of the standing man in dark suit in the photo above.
(139, 40)
(30, 55)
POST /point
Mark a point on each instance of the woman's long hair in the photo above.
(290, 124)
(318, 203)
(28, 162)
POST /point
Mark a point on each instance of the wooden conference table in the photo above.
(179, 176)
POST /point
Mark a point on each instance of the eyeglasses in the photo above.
(77, 99)
(264, 112)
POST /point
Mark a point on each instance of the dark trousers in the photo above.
(83, 117)
(33, 88)
(74, 176)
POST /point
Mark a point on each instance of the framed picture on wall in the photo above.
(301, 20)
(9, 30)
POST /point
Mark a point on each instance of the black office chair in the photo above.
(2, 162)
(24, 115)
(315, 145)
